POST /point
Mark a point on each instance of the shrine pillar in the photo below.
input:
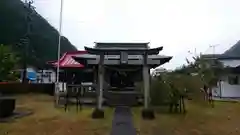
(98, 112)
(147, 113)
(146, 86)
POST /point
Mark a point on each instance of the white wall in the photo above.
(224, 89)
(30, 69)
(51, 78)
(43, 77)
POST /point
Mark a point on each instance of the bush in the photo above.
(19, 88)
(160, 91)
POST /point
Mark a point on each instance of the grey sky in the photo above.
(178, 25)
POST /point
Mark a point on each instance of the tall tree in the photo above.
(8, 61)
(211, 71)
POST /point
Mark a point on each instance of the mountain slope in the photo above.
(43, 38)
(233, 51)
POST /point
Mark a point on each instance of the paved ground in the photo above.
(122, 122)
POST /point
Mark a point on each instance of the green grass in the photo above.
(48, 120)
(200, 120)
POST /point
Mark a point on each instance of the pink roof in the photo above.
(66, 61)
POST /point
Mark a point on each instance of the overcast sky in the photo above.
(177, 25)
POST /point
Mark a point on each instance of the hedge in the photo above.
(19, 88)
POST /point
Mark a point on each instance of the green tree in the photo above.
(43, 38)
(210, 71)
(8, 62)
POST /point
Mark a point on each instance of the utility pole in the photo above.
(59, 40)
(57, 87)
(26, 40)
(195, 52)
(214, 60)
(214, 54)
(213, 46)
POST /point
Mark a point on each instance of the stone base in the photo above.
(148, 114)
(7, 106)
(97, 114)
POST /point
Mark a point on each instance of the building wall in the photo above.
(43, 76)
(230, 63)
(224, 88)
(46, 76)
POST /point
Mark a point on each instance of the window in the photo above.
(233, 80)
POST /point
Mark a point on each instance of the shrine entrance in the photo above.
(121, 79)
(119, 66)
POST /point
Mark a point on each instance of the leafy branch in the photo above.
(8, 62)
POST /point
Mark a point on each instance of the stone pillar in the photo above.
(56, 94)
(95, 79)
(147, 113)
(98, 112)
(146, 86)
(101, 83)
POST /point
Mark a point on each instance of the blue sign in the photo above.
(31, 75)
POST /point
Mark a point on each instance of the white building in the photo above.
(46, 76)
(229, 85)
(43, 76)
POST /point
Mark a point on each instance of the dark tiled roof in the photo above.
(219, 56)
(121, 45)
(118, 50)
(234, 50)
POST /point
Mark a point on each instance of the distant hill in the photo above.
(43, 40)
(233, 51)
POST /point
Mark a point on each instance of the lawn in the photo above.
(224, 119)
(47, 120)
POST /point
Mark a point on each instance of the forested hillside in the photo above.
(43, 37)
